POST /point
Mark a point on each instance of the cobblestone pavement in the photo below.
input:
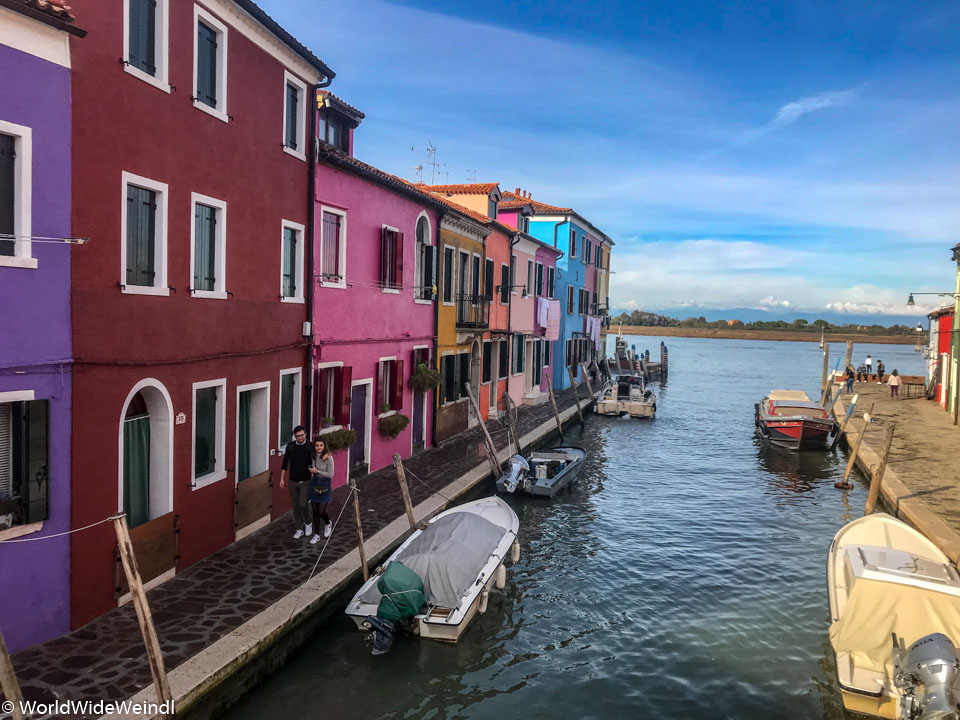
(925, 452)
(105, 659)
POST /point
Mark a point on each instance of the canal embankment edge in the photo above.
(900, 499)
(221, 673)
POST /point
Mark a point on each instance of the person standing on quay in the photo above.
(321, 488)
(850, 377)
(880, 369)
(894, 382)
(869, 363)
(296, 463)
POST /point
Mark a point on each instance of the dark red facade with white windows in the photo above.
(194, 183)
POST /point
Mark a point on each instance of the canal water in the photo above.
(682, 576)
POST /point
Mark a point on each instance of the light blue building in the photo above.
(581, 282)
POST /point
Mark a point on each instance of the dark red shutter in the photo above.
(397, 401)
(384, 235)
(398, 260)
(343, 396)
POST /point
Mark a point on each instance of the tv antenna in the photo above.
(471, 175)
(431, 160)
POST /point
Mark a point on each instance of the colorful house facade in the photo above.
(35, 341)
(375, 246)
(190, 334)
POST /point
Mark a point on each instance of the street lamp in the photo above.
(911, 303)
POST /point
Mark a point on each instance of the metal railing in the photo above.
(473, 311)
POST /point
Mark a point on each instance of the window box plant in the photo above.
(392, 425)
(340, 439)
(424, 378)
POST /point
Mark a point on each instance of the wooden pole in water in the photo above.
(576, 395)
(359, 526)
(824, 383)
(848, 360)
(556, 413)
(404, 490)
(878, 471)
(144, 618)
(845, 484)
(8, 682)
(491, 448)
(586, 378)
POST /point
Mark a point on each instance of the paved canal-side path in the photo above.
(921, 480)
(105, 659)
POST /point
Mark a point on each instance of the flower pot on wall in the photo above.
(392, 425)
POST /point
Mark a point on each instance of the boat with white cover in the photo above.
(895, 620)
(626, 395)
(542, 472)
(441, 576)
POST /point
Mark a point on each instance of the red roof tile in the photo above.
(516, 201)
(463, 189)
(57, 8)
(341, 103)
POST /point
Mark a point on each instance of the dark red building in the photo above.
(191, 136)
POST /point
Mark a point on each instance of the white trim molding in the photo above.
(260, 426)
(219, 471)
(220, 111)
(297, 404)
(302, 107)
(342, 261)
(417, 269)
(159, 286)
(161, 46)
(160, 409)
(220, 243)
(22, 196)
(297, 297)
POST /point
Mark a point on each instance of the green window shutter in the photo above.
(142, 39)
(205, 248)
(289, 262)
(293, 102)
(206, 64)
(288, 387)
(141, 236)
(205, 432)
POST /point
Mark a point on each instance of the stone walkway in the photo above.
(925, 453)
(105, 659)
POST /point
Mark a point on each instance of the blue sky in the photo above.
(804, 155)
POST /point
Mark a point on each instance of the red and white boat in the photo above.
(790, 418)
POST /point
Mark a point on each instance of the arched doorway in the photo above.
(146, 452)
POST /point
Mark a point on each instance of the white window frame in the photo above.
(22, 196)
(453, 280)
(220, 471)
(219, 112)
(333, 426)
(220, 282)
(160, 286)
(342, 282)
(382, 360)
(297, 404)
(466, 284)
(161, 47)
(391, 290)
(416, 261)
(265, 385)
(284, 225)
(291, 79)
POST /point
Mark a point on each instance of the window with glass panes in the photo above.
(391, 259)
(504, 284)
(488, 279)
(570, 300)
(141, 236)
(331, 238)
(518, 354)
(486, 368)
(573, 243)
(448, 379)
(551, 281)
(463, 373)
(539, 280)
(425, 257)
(24, 464)
(205, 431)
(204, 248)
(546, 352)
(448, 274)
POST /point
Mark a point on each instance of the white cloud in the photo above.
(793, 111)
(771, 302)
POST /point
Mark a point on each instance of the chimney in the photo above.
(516, 191)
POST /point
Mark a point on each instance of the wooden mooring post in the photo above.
(867, 417)
(556, 412)
(491, 448)
(879, 469)
(359, 526)
(576, 395)
(404, 490)
(8, 682)
(825, 382)
(586, 378)
(144, 617)
(848, 359)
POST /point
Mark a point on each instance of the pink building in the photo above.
(373, 309)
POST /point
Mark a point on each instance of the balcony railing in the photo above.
(473, 311)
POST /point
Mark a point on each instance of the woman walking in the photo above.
(321, 488)
(850, 376)
(894, 383)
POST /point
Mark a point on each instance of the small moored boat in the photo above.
(542, 472)
(441, 576)
(895, 619)
(791, 419)
(626, 395)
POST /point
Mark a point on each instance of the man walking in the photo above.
(297, 459)
(869, 363)
(880, 370)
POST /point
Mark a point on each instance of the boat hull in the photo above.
(563, 478)
(796, 433)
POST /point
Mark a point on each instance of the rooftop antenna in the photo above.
(432, 162)
(471, 175)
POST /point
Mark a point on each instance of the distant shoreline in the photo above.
(779, 335)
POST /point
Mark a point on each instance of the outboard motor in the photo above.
(517, 469)
(382, 633)
(925, 676)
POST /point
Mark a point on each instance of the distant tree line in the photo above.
(641, 318)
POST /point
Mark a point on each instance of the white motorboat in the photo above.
(895, 620)
(626, 395)
(442, 575)
(542, 472)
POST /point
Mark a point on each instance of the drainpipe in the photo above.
(436, 327)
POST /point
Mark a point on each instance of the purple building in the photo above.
(35, 347)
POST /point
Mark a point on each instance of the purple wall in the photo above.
(35, 345)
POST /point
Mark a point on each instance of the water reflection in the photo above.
(792, 472)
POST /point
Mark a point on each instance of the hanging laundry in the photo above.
(553, 320)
